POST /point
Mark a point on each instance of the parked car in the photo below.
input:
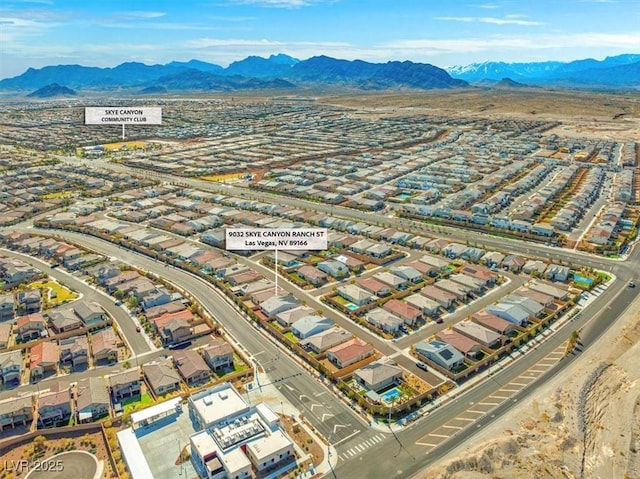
(421, 365)
(439, 320)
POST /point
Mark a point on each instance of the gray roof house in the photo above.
(531, 306)
(513, 313)
(408, 273)
(355, 294)
(441, 353)
(278, 304)
(324, 340)
(92, 399)
(11, 366)
(310, 325)
(161, 376)
(384, 320)
(377, 375)
(334, 268)
(89, 313)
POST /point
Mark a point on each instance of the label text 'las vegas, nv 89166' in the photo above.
(276, 238)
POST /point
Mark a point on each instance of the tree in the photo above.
(119, 294)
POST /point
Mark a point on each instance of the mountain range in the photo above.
(276, 72)
(285, 73)
(617, 71)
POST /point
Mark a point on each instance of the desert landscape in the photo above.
(585, 423)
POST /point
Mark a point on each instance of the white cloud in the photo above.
(507, 20)
(139, 15)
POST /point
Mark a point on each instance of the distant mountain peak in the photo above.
(52, 90)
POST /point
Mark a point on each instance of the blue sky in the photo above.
(35, 33)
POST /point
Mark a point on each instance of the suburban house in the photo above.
(191, 366)
(407, 273)
(320, 342)
(440, 296)
(443, 354)
(479, 333)
(176, 331)
(334, 268)
(90, 313)
(74, 351)
(7, 307)
(393, 281)
(493, 322)
(64, 320)
(161, 376)
(428, 306)
(312, 275)
(11, 367)
(29, 301)
(43, 358)
(15, 411)
(5, 334)
(377, 375)
(386, 321)
(513, 313)
(30, 327)
(355, 294)
(104, 345)
(218, 355)
(349, 353)
(310, 325)
(124, 384)
(534, 308)
(409, 314)
(278, 304)
(92, 399)
(374, 286)
(287, 318)
(54, 408)
(467, 346)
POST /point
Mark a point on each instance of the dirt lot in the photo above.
(609, 116)
(583, 424)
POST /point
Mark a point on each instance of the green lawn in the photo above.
(61, 293)
(291, 337)
(136, 403)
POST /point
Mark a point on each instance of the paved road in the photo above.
(314, 400)
(399, 455)
(136, 341)
(415, 453)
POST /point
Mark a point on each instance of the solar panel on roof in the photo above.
(446, 354)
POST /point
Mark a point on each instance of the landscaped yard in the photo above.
(291, 337)
(136, 403)
(57, 294)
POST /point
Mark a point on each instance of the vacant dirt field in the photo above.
(605, 115)
(583, 424)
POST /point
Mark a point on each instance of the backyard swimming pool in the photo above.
(391, 395)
